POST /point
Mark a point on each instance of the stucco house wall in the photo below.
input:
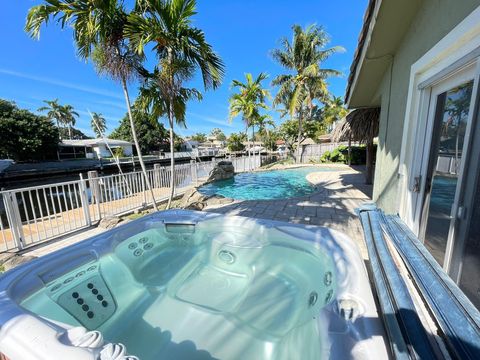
(433, 20)
(102, 151)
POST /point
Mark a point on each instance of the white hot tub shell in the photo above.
(193, 285)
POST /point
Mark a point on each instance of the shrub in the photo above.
(340, 155)
(25, 136)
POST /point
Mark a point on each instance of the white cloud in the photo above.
(118, 105)
(212, 120)
(51, 81)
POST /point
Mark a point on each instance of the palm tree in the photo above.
(98, 124)
(249, 100)
(54, 111)
(98, 31)
(180, 49)
(333, 110)
(263, 122)
(69, 118)
(306, 81)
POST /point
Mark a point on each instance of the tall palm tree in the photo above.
(263, 122)
(153, 98)
(180, 49)
(248, 101)
(98, 124)
(69, 118)
(98, 31)
(306, 80)
(333, 110)
(54, 111)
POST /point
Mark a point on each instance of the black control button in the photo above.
(104, 303)
(99, 297)
(94, 291)
(75, 295)
(90, 285)
(85, 307)
(90, 314)
(80, 301)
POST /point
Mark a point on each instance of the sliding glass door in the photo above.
(450, 119)
(450, 210)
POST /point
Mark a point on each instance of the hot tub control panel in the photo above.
(84, 294)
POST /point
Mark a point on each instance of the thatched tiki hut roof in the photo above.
(360, 125)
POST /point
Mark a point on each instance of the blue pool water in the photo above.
(265, 185)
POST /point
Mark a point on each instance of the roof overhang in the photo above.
(385, 24)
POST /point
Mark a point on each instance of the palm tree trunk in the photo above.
(170, 120)
(349, 149)
(69, 132)
(248, 147)
(172, 161)
(137, 145)
(253, 137)
(58, 128)
(369, 163)
(299, 137)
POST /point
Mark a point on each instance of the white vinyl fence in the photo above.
(38, 213)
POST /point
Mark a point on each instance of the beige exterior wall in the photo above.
(434, 19)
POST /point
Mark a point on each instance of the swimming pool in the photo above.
(193, 285)
(265, 185)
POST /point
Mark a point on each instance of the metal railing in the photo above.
(38, 213)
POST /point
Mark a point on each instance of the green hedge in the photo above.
(340, 155)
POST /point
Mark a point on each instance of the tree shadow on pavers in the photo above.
(243, 208)
(358, 182)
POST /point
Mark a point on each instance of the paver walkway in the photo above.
(339, 194)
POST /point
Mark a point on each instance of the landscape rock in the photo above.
(223, 170)
(16, 260)
(194, 200)
(192, 196)
(218, 200)
(109, 222)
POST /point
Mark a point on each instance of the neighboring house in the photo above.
(308, 141)
(189, 145)
(419, 61)
(208, 148)
(253, 146)
(93, 148)
(325, 138)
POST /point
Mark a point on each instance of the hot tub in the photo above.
(194, 285)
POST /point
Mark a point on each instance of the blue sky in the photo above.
(243, 32)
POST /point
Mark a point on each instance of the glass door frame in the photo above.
(455, 78)
(469, 188)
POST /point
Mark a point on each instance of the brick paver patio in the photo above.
(339, 194)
